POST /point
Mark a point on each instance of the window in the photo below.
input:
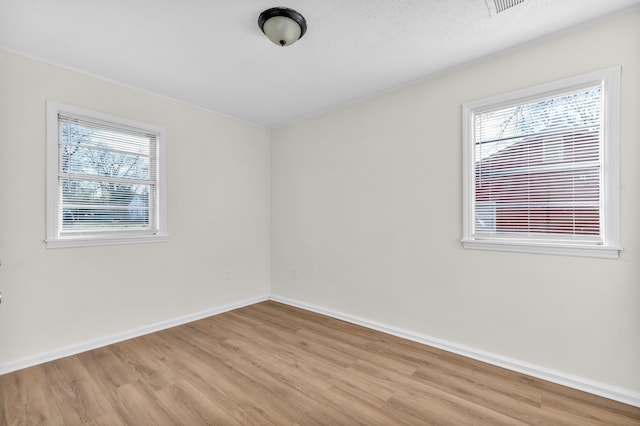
(541, 168)
(105, 179)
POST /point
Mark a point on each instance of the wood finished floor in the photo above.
(273, 364)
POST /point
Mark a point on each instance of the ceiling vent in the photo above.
(502, 5)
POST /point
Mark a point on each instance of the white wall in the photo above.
(217, 218)
(367, 207)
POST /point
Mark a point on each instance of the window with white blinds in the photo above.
(104, 183)
(541, 168)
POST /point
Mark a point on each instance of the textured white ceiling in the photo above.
(211, 53)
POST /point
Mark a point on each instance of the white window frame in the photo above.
(54, 239)
(609, 247)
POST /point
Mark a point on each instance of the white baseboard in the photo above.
(601, 389)
(108, 340)
(612, 392)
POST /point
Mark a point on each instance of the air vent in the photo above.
(502, 5)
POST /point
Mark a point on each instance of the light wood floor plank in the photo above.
(272, 364)
(28, 399)
(193, 406)
(75, 392)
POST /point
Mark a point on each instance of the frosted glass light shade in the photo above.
(282, 31)
(283, 26)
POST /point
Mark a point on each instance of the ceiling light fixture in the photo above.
(282, 25)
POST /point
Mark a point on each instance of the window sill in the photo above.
(104, 241)
(604, 252)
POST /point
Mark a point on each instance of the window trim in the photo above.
(609, 79)
(53, 238)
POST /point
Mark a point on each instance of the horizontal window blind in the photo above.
(107, 177)
(537, 168)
